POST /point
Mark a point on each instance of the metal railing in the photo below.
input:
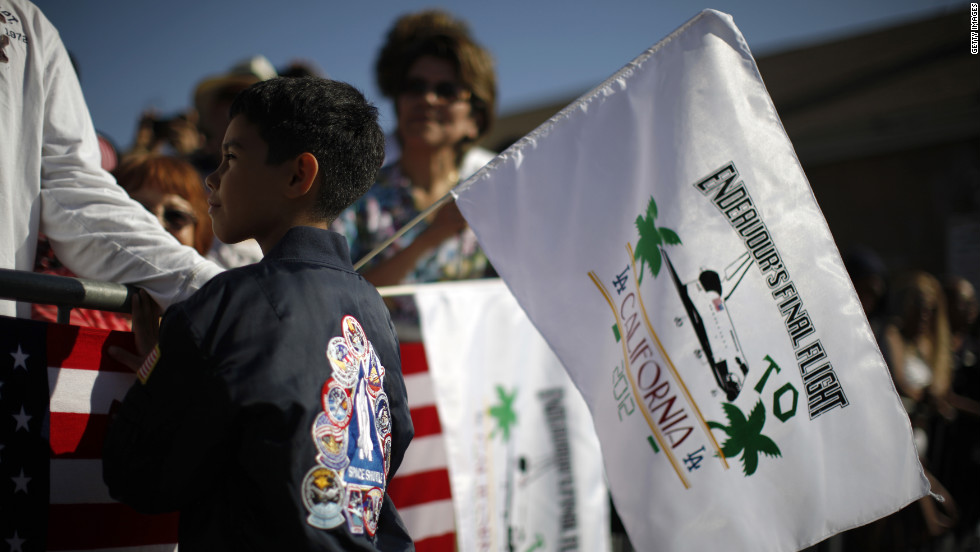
(64, 292)
(69, 293)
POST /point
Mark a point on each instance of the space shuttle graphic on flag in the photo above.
(704, 301)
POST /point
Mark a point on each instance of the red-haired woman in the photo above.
(168, 187)
(171, 189)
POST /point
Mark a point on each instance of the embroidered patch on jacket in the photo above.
(149, 363)
(352, 436)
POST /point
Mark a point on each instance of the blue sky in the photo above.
(136, 55)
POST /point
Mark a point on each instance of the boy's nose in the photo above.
(212, 181)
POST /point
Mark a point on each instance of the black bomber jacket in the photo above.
(275, 413)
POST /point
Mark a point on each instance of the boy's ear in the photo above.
(305, 169)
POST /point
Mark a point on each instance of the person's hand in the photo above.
(184, 135)
(146, 330)
(448, 222)
(146, 139)
(945, 409)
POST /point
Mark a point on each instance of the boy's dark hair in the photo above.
(330, 119)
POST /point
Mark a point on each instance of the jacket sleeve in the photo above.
(162, 439)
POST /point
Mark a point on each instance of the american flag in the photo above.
(56, 388)
(420, 489)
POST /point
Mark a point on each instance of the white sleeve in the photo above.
(95, 229)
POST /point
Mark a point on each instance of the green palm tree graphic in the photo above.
(745, 436)
(651, 240)
(504, 412)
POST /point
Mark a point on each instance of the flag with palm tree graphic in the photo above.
(741, 376)
(524, 459)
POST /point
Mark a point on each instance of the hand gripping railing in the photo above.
(64, 292)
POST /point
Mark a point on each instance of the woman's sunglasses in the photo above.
(444, 90)
(177, 219)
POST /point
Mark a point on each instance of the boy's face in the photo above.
(244, 201)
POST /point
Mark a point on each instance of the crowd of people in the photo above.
(442, 84)
(221, 213)
(928, 333)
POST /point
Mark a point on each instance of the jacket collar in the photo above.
(312, 244)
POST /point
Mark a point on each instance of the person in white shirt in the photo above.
(51, 180)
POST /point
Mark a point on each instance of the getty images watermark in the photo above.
(974, 27)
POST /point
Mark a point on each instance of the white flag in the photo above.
(524, 459)
(661, 235)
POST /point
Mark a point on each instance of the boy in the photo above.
(273, 412)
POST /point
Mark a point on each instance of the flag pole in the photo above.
(401, 231)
